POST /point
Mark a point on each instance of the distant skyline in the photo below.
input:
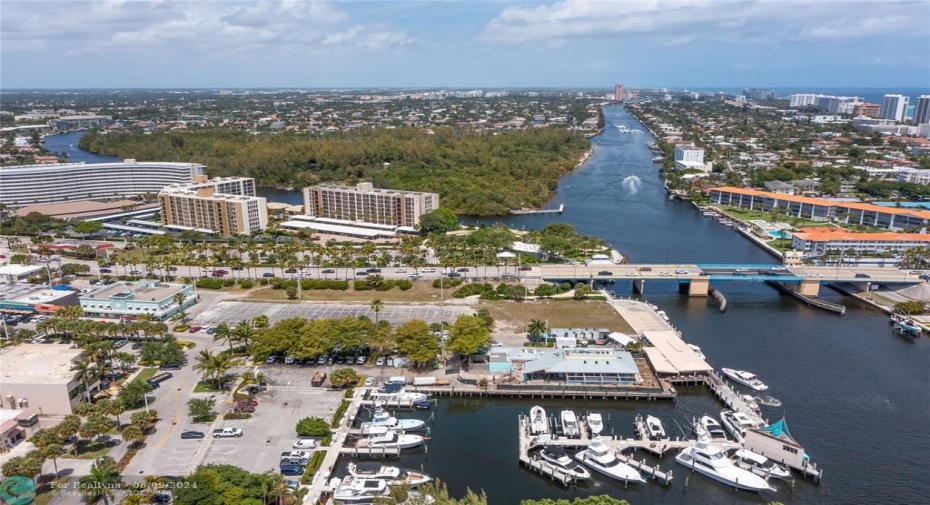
(461, 44)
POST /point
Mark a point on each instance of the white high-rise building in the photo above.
(922, 111)
(802, 100)
(893, 107)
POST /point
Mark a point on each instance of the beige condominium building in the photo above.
(39, 377)
(226, 205)
(366, 204)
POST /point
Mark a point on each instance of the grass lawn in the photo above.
(422, 291)
(560, 314)
(89, 450)
(749, 215)
(146, 373)
(205, 387)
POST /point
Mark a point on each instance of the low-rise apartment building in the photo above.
(816, 242)
(137, 298)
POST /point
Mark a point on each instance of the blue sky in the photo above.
(439, 43)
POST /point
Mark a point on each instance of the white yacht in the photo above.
(393, 475)
(711, 461)
(759, 464)
(382, 418)
(595, 423)
(737, 423)
(599, 457)
(381, 437)
(355, 490)
(745, 378)
(710, 425)
(697, 350)
(557, 457)
(654, 428)
(539, 424)
(570, 424)
(400, 396)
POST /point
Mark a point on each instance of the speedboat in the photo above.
(595, 423)
(737, 423)
(711, 461)
(570, 424)
(601, 459)
(750, 402)
(711, 427)
(380, 437)
(557, 457)
(654, 428)
(697, 350)
(356, 490)
(382, 418)
(759, 465)
(400, 396)
(768, 401)
(393, 475)
(745, 378)
(539, 424)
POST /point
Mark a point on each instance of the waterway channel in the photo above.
(855, 396)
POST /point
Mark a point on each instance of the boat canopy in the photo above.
(779, 429)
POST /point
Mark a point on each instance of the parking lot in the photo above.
(232, 311)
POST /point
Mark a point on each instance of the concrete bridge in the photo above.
(805, 279)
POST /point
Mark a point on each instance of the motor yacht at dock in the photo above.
(711, 461)
(557, 457)
(539, 423)
(394, 476)
(747, 379)
(600, 458)
(570, 424)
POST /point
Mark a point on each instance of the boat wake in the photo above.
(632, 184)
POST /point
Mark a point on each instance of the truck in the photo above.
(157, 379)
(430, 381)
(318, 379)
(227, 432)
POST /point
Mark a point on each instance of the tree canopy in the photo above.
(468, 334)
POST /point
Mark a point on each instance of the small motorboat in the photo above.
(750, 402)
(422, 404)
(383, 418)
(654, 428)
(710, 426)
(557, 457)
(759, 464)
(711, 461)
(539, 424)
(767, 401)
(398, 397)
(394, 476)
(737, 423)
(601, 459)
(356, 490)
(745, 378)
(570, 424)
(595, 423)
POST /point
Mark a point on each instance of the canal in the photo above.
(854, 395)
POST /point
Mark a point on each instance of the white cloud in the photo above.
(674, 22)
(114, 26)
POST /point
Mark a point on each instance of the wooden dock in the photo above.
(536, 465)
(505, 391)
(369, 452)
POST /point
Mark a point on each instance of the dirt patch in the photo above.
(516, 316)
(422, 291)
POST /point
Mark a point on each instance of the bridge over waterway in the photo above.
(805, 279)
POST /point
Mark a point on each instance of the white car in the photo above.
(305, 443)
(681, 272)
(815, 275)
(369, 382)
(400, 271)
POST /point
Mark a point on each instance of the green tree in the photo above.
(201, 408)
(101, 481)
(588, 500)
(29, 465)
(377, 305)
(111, 407)
(467, 335)
(417, 342)
(441, 220)
(87, 227)
(134, 435)
(910, 307)
(343, 377)
(84, 371)
(536, 329)
(313, 427)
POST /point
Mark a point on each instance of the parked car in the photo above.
(454, 274)
(360, 360)
(237, 267)
(289, 469)
(290, 360)
(192, 434)
(170, 366)
(321, 360)
(429, 270)
(172, 269)
(380, 361)
(227, 432)
(271, 360)
(370, 381)
(218, 274)
(194, 329)
(120, 343)
(295, 455)
(220, 270)
(136, 346)
(463, 269)
(305, 443)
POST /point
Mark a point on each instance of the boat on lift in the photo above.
(759, 464)
(654, 428)
(595, 423)
(355, 490)
(710, 426)
(539, 424)
(737, 423)
(570, 424)
(382, 418)
(380, 437)
(747, 379)
(394, 476)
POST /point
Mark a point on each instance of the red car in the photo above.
(194, 329)
(218, 274)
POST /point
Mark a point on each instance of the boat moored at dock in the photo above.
(570, 426)
(654, 428)
(380, 437)
(747, 379)
(711, 461)
(759, 464)
(737, 423)
(600, 458)
(356, 490)
(539, 423)
(557, 457)
(394, 476)
(595, 423)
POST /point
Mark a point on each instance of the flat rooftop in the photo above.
(20, 269)
(147, 294)
(38, 364)
(42, 296)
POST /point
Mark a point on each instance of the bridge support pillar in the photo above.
(639, 286)
(699, 287)
(808, 287)
(864, 287)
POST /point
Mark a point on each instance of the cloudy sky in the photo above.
(465, 43)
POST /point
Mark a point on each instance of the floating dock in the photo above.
(560, 210)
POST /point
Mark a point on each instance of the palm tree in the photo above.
(102, 479)
(223, 332)
(84, 371)
(243, 333)
(377, 305)
(133, 434)
(260, 321)
(179, 298)
(536, 329)
(111, 407)
(205, 364)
